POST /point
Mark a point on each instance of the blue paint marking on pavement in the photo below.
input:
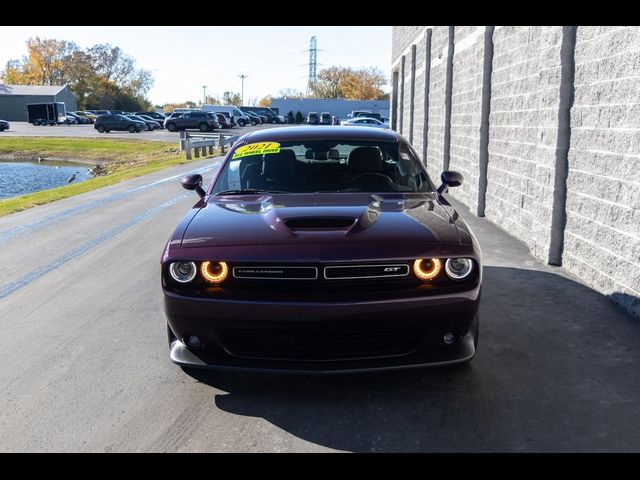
(35, 225)
(85, 247)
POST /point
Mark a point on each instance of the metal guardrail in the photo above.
(202, 143)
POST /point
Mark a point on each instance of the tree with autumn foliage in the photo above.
(350, 84)
(102, 76)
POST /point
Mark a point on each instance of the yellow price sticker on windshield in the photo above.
(256, 149)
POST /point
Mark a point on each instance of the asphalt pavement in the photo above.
(25, 129)
(85, 362)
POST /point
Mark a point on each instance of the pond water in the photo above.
(19, 177)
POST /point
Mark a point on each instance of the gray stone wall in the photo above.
(544, 123)
(466, 101)
(525, 88)
(435, 135)
(602, 236)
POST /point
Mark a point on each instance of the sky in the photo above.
(183, 59)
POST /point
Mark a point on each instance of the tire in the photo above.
(171, 127)
(274, 120)
(203, 127)
(100, 129)
(241, 123)
(132, 129)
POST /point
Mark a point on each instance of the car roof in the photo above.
(330, 132)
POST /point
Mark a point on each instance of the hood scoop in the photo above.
(319, 223)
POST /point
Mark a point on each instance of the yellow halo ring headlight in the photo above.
(428, 271)
(214, 272)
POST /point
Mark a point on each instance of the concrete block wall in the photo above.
(602, 236)
(437, 101)
(525, 91)
(544, 123)
(466, 102)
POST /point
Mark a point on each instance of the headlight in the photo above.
(183, 272)
(214, 272)
(458, 268)
(427, 268)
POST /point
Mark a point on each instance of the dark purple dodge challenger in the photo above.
(321, 249)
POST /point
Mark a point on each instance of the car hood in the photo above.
(321, 218)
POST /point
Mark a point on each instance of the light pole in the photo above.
(242, 97)
(204, 94)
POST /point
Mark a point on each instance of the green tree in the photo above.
(290, 117)
(299, 117)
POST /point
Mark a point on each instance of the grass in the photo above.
(123, 159)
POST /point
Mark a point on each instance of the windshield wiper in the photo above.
(247, 191)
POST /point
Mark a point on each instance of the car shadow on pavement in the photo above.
(557, 369)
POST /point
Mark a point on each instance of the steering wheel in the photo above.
(375, 175)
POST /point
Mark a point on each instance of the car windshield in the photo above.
(322, 166)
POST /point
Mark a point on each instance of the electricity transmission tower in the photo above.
(313, 64)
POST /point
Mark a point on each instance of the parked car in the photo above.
(100, 112)
(214, 117)
(4, 125)
(325, 118)
(70, 119)
(106, 123)
(365, 113)
(223, 120)
(313, 118)
(78, 118)
(193, 120)
(364, 122)
(88, 115)
(149, 124)
(156, 123)
(353, 263)
(158, 117)
(254, 118)
(272, 117)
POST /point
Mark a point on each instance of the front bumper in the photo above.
(428, 318)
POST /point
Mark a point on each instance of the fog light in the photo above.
(193, 341)
(427, 268)
(214, 272)
(450, 338)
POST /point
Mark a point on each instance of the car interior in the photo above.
(321, 167)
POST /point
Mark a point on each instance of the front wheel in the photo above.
(204, 127)
(171, 127)
(100, 128)
(274, 121)
(131, 129)
(241, 123)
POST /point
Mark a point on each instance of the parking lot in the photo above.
(25, 129)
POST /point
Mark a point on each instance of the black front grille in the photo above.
(348, 272)
(319, 346)
(318, 222)
(276, 272)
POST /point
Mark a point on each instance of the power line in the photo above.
(313, 64)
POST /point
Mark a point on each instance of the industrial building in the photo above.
(337, 107)
(14, 99)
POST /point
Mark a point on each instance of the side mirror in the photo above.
(450, 178)
(193, 182)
